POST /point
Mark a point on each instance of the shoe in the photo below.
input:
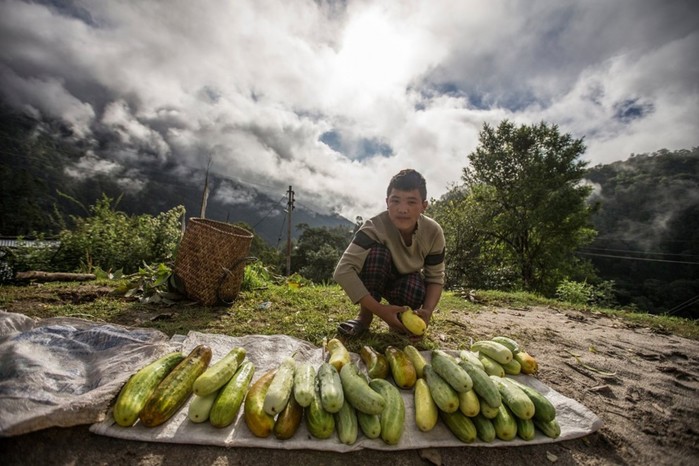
(352, 328)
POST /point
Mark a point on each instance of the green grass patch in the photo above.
(310, 312)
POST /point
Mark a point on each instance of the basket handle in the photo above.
(229, 271)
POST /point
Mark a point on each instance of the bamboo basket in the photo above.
(211, 259)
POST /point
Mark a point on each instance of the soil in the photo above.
(642, 384)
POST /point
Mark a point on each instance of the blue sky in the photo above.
(334, 97)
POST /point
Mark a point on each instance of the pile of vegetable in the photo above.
(471, 393)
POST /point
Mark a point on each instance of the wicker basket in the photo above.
(211, 259)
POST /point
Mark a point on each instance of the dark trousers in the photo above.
(381, 278)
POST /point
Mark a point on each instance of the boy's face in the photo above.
(404, 208)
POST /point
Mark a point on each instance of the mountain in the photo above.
(648, 230)
(46, 176)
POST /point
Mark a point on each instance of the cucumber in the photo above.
(426, 412)
(505, 424)
(455, 375)
(402, 369)
(304, 383)
(543, 409)
(512, 368)
(515, 398)
(444, 396)
(200, 407)
(258, 421)
(392, 418)
(135, 393)
(461, 426)
(331, 393)
(469, 404)
(358, 392)
(375, 362)
(488, 411)
(416, 358)
(176, 388)
(491, 366)
(508, 342)
(370, 424)
(525, 428)
(483, 385)
(280, 389)
(216, 375)
(319, 422)
(484, 428)
(346, 423)
(494, 350)
(527, 362)
(471, 357)
(230, 397)
(339, 356)
(289, 420)
(550, 429)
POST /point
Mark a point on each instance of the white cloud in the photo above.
(253, 86)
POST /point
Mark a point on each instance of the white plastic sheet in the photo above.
(267, 351)
(64, 371)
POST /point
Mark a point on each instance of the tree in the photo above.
(318, 250)
(526, 182)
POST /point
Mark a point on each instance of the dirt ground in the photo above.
(642, 384)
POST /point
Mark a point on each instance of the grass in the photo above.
(310, 312)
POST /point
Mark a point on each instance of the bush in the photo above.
(112, 240)
(585, 293)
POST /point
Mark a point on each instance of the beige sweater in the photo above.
(425, 254)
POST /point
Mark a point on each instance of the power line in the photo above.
(637, 258)
(681, 306)
(267, 214)
(641, 252)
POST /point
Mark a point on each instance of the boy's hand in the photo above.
(389, 314)
(425, 314)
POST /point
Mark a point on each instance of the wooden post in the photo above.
(289, 208)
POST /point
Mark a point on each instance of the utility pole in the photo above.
(289, 208)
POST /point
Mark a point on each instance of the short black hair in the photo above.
(407, 180)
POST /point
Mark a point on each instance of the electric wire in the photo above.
(645, 259)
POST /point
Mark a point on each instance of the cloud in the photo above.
(334, 97)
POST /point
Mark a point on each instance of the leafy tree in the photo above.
(471, 259)
(318, 250)
(526, 184)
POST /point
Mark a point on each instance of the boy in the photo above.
(397, 255)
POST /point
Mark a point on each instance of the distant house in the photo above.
(13, 242)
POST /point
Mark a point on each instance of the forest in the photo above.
(630, 236)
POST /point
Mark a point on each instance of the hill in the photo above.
(648, 230)
(46, 176)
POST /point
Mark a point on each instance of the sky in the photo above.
(335, 97)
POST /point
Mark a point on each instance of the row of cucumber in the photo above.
(337, 396)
